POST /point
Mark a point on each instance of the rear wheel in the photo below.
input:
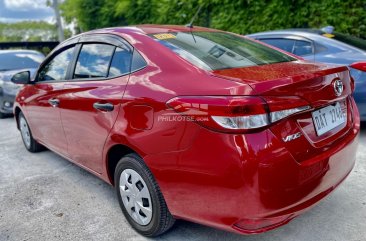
(140, 198)
(30, 144)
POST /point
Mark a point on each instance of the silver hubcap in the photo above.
(25, 132)
(135, 196)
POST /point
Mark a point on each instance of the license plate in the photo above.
(328, 118)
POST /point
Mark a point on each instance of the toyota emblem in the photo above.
(338, 87)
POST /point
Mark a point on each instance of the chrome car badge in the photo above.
(291, 137)
(338, 87)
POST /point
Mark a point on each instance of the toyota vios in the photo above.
(194, 123)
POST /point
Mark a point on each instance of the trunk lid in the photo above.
(314, 83)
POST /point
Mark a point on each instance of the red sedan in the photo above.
(194, 123)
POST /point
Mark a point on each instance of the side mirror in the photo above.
(21, 78)
(359, 66)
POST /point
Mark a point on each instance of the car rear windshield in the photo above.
(351, 40)
(19, 60)
(219, 50)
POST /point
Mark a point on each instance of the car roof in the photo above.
(309, 33)
(307, 30)
(152, 28)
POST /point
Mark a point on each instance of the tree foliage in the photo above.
(92, 14)
(27, 31)
(240, 16)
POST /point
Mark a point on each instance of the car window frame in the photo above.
(77, 43)
(51, 57)
(106, 39)
(75, 60)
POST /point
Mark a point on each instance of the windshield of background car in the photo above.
(218, 50)
(19, 60)
(351, 40)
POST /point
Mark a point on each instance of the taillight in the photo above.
(282, 107)
(352, 80)
(236, 113)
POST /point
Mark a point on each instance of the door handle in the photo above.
(103, 106)
(54, 102)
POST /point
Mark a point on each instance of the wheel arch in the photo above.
(17, 111)
(114, 154)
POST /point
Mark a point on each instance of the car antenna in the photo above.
(190, 24)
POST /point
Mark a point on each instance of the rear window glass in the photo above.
(218, 50)
(351, 40)
(19, 60)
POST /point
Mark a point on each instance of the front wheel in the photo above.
(30, 144)
(140, 197)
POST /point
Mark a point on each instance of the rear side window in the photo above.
(303, 48)
(121, 63)
(56, 68)
(281, 43)
(93, 61)
(318, 48)
(138, 62)
(219, 50)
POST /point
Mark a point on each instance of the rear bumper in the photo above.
(6, 103)
(248, 183)
(286, 203)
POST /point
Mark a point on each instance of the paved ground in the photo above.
(45, 197)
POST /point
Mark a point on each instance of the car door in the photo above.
(92, 99)
(42, 108)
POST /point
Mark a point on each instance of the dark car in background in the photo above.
(326, 46)
(11, 61)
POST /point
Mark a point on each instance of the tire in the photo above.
(132, 179)
(30, 144)
(2, 115)
(5, 115)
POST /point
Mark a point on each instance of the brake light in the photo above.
(352, 80)
(236, 113)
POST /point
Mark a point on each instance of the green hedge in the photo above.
(242, 16)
